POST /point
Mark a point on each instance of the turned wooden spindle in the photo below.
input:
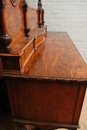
(42, 17)
(39, 4)
(40, 14)
(26, 28)
(5, 38)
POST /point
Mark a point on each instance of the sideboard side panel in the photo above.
(38, 100)
(12, 93)
(82, 90)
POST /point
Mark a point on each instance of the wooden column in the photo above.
(26, 28)
(40, 14)
(5, 38)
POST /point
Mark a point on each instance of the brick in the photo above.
(67, 15)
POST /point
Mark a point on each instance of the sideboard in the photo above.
(45, 74)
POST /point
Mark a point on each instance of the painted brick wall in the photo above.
(67, 15)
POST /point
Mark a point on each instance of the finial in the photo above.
(5, 38)
(40, 14)
(39, 4)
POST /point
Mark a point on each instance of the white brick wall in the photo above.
(67, 15)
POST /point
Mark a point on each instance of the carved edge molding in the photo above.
(25, 10)
(13, 2)
(49, 124)
(5, 38)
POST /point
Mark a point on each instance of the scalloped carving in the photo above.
(13, 2)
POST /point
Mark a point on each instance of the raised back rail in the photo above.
(21, 32)
(17, 20)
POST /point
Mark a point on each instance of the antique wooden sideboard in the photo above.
(45, 74)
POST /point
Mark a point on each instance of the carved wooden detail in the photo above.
(5, 38)
(13, 2)
(26, 28)
(40, 14)
(22, 53)
(23, 44)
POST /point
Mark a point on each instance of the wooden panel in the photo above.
(32, 18)
(80, 100)
(22, 52)
(46, 101)
(11, 98)
(10, 63)
(14, 18)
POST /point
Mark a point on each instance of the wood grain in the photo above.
(58, 58)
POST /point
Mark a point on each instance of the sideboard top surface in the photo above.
(57, 58)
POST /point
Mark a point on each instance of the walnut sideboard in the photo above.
(46, 76)
(50, 92)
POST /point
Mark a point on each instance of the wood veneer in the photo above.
(46, 76)
(50, 92)
(24, 33)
